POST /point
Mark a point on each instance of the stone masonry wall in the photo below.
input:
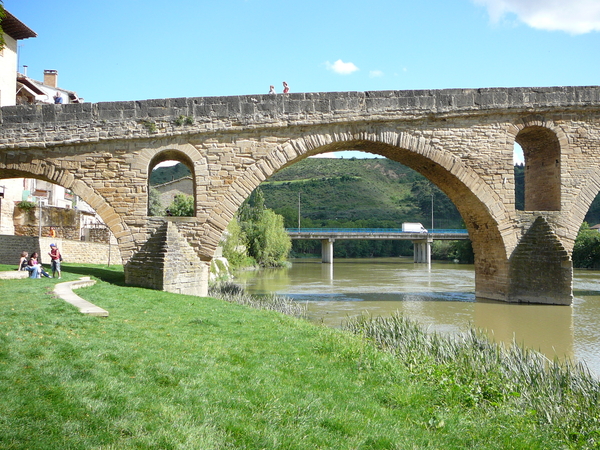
(34, 125)
(72, 251)
(64, 221)
(550, 282)
(101, 235)
(12, 246)
(167, 262)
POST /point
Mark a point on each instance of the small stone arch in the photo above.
(186, 154)
(542, 143)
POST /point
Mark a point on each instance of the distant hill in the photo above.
(376, 192)
(170, 173)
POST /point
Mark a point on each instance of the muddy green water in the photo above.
(440, 296)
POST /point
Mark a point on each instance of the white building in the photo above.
(30, 91)
(16, 89)
(14, 31)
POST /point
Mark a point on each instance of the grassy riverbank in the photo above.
(167, 371)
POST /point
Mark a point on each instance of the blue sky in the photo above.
(140, 49)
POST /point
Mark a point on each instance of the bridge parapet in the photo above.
(51, 125)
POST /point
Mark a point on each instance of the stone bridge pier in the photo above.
(460, 139)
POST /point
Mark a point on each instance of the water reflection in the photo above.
(440, 296)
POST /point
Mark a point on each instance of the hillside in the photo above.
(170, 173)
(378, 192)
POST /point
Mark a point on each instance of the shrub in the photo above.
(182, 206)
(25, 205)
(586, 251)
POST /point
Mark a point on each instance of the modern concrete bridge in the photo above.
(460, 139)
(421, 241)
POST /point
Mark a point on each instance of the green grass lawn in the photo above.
(168, 371)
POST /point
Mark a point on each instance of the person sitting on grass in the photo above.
(33, 261)
(34, 271)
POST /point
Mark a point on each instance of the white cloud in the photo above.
(341, 67)
(375, 73)
(166, 164)
(572, 16)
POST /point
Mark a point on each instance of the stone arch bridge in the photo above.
(460, 139)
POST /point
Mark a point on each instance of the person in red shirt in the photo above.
(56, 258)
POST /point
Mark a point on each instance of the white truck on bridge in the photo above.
(412, 227)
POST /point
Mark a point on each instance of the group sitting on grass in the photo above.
(32, 265)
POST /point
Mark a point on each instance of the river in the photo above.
(440, 296)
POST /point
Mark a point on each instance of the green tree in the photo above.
(252, 209)
(422, 192)
(265, 237)
(586, 251)
(271, 244)
(453, 250)
(463, 251)
(2, 15)
(520, 187)
(155, 206)
(182, 206)
(234, 246)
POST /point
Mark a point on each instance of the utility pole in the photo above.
(109, 243)
(298, 210)
(40, 217)
(2, 189)
(431, 210)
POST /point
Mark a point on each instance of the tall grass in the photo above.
(234, 293)
(479, 372)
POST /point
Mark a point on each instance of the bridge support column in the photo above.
(327, 251)
(167, 262)
(422, 251)
(540, 269)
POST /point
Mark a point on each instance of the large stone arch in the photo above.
(481, 207)
(53, 173)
